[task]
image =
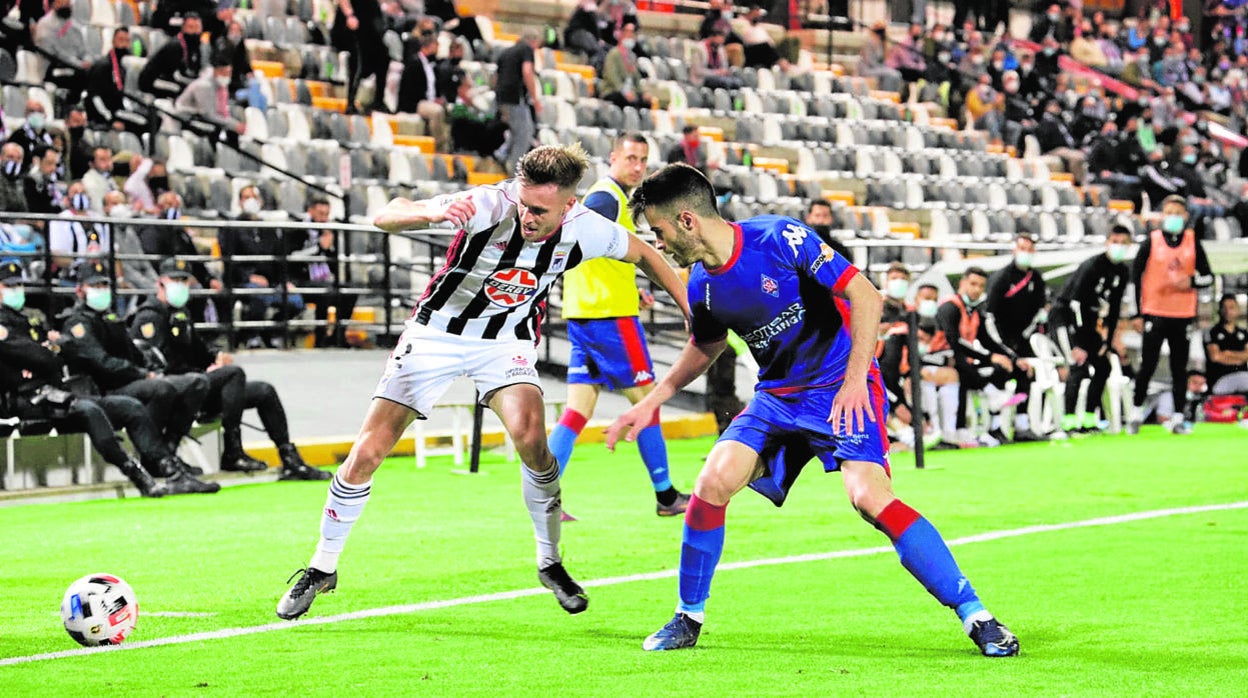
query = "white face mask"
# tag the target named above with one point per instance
(99, 299)
(896, 288)
(14, 298)
(119, 211)
(222, 81)
(1117, 253)
(928, 308)
(251, 205)
(1023, 259)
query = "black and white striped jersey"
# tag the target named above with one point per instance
(494, 283)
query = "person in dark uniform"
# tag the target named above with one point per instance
(1016, 294)
(982, 363)
(1226, 350)
(1169, 267)
(102, 350)
(1086, 316)
(358, 28)
(169, 241)
(31, 383)
(164, 324)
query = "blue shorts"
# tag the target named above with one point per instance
(788, 431)
(610, 352)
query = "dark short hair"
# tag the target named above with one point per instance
(317, 201)
(42, 149)
(1025, 235)
(897, 267)
(676, 185)
(975, 271)
(934, 287)
(629, 137)
(688, 129)
(817, 203)
(1120, 229)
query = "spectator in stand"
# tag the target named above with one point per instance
(106, 103)
(244, 87)
(617, 14)
(418, 88)
(1112, 49)
(70, 241)
(1089, 120)
(1055, 139)
(41, 184)
(358, 29)
(518, 97)
(463, 26)
(1138, 71)
(585, 32)
(1085, 48)
(167, 241)
(1019, 119)
(985, 107)
(270, 275)
(59, 36)
(132, 274)
(872, 59)
(12, 195)
(472, 128)
(691, 150)
(760, 51)
(175, 64)
(719, 17)
(77, 144)
(34, 132)
(447, 72)
(708, 63)
(213, 14)
(138, 187)
(1047, 68)
(98, 180)
(1052, 25)
(323, 275)
(207, 99)
(621, 78)
(819, 219)
(906, 56)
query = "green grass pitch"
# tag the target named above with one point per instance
(1144, 607)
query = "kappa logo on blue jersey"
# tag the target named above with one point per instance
(795, 235)
(770, 287)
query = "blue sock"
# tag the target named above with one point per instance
(563, 436)
(703, 542)
(654, 454)
(924, 553)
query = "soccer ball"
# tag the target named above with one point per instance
(99, 609)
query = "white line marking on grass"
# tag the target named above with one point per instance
(606, 581)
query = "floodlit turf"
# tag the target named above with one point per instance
(1151, 607)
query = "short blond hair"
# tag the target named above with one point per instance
(561, 165)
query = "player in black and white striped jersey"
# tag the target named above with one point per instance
(479, 317)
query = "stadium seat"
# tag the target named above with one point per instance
(1046, 405)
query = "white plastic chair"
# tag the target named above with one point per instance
(1047, 404)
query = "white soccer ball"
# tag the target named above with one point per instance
(99, 609)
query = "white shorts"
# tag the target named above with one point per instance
(426, 361)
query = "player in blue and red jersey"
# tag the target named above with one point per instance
(810, 320)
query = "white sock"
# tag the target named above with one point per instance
(973, 618)
(995, 421)
(930, 405)
(699, 616)
(949, 410)
(1022, 421)
(542, 498)
(343, 507)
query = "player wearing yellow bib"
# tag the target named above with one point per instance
(601, 303)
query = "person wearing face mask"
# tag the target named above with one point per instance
(447, 72)
(1051, 25)
(164, 323)
(718, 18)
(709, 66)
(59, 35)
(70, 240)
(98, 180)
(34, 132)
(177, 63)
(271, 275)
(12, 194)
(621, 78)
(107, 106)
(167, 241)
(1184, 169)
(1016, 295)
(103, 352)
(133, 274)
(1056, 139)
(896, 286)
(1168, 269)
(981, 362)
(760, 50)
(208, 98)
(873, 59)
(1085, 318)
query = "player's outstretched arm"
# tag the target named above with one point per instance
(852, 404)
(691, 363)
(403, 214)
(656, 267)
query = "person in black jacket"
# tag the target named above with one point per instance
(1085, 315)
(272, 275)
(1016, 294)
(168, 241)
(102, 351)
(165, 325)
(176, 64)
(31, 379)
(358, 29)
(41, 184)
(106, 103)
(323, 275)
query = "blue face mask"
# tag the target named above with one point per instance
(1173, 224)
